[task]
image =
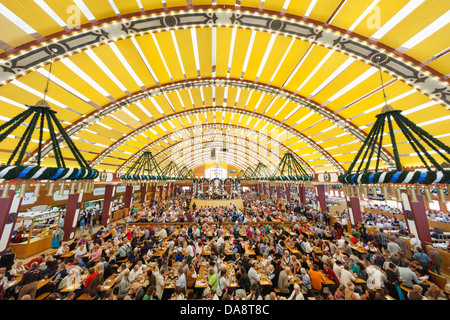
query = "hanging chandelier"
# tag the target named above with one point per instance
(42, 118)
(360, 172)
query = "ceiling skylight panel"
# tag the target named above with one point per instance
(106, 70)
(337, 72)
(401, 96)
(72, 66)
(195, 48)
(249, 51)
(113, 5)
(281, 108)
(152, 99)
(38, 94)
(299, 65)
(126, 64)
(177, 50)
(131, 114)
(433, 121)
(14, 103)
(230, 59)
(144, 59)
(282, 60)
(321, 63)
(363, 15)
(353, 84)
(397, 18)
(44, 6)
(16, 20)
(84, 9)
(418, 108)
(310, 8)
(426, 32)
(144, 109)
(266, 55)
(285, 6)
(62, 84)
(304, 118)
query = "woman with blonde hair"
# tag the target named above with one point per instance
(349, 293)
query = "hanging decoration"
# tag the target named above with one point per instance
(417, 138)
(144, 169)
(289, 169)
(41, 118)
(365, 168)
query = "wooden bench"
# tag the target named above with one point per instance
(84, 296)
(43, 296)
(406, 289)
(438, 280)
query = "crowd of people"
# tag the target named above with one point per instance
(266, 250)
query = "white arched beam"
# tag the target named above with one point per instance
(279, 145)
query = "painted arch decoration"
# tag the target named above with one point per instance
(68, 44)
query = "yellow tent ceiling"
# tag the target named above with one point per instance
(178, 77)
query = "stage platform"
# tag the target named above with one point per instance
(217, 203)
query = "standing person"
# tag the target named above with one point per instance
(58, 237)
(414, 243)
(91, 223)
(29, 281)
(436, 259)
(382, 240)
(422, 258)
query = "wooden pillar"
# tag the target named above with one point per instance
(160, 193)
(320, 191)
(416, 217)
(143, 193)
(302, 195)
(278, 192)
(128, 197)
(354, 210)
(107, 204)
(288, 192)
(9, 208)
(74, 202)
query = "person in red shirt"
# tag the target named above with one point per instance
(39, 260)
(89, 278)
(330, 273)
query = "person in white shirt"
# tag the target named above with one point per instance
(296, 293)
(414, 243)
(340, 243)
(17, 269)
(338, 255)
(346, 276)
(337, 268)
(163, 233)
(80, 252)
(253, 275)
(63, 249)
(135, 272)
(220, 241)
(376, 278)
(307, 247)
